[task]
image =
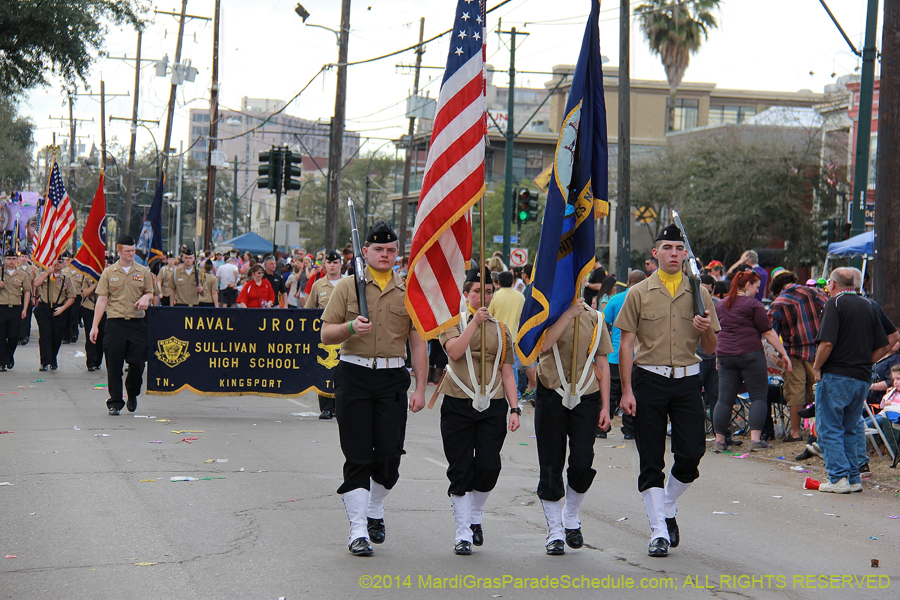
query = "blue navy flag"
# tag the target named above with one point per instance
(577, 196)
(149, 243)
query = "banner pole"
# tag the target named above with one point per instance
(481, 270)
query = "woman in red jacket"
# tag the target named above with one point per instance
(257, 292)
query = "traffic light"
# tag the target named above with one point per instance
(527, 206)
(828, 233)
(270, 164)
(292, 169)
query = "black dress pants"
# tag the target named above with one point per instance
(10, 329)
(659, 400)
(371, 407)
(125, 340)
(74, 318)
(326, 403)
(51, 329)
(615, 395)
(472, 442)
(554, 424)
(94, 352)
(26, 322)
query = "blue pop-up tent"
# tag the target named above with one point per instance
(859, 246)
(249, 242)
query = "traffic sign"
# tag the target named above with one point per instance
(518, 257)
(498, 239)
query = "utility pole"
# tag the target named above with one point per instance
(887, 170)
(72, 121)
(213, 133)
(129, 179)
(178, 197)
(404, 196)
(234, 200)
(864, 124)
(171, 111)
(623, 200)
(509, 183)
(337, 151)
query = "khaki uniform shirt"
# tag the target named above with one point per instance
(590, 325)
(185, 286)
(165, 278)
(461, 368)
(387, 313)
(320, 294)
(56, 290)
(15, 286)
(664, 326)
(209, 282)
(85, 282)
(124, 289)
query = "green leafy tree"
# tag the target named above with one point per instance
(675, 29)
(16, 145)
(64, 37)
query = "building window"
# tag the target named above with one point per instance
(199, 156)
(201, 117)
(199, 131)
(686, 112)
(729, 115)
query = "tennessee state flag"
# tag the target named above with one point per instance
(91, 257)
(576, 198)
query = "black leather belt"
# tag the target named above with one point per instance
(10, 306)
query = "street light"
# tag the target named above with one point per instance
(304, 14)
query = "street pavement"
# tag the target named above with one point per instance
(91, 512)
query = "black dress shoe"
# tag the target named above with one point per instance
(628, 436)
(805, 455)
(658, 548)
(66, 342)
(556, 548)
(601, 434)
(2, 368)
(11, 364)
(376, 530)
(477, 534)
(23, 342)
(54, 367)
(326, 414)
(361, 547)
(672, 526)
(131, 404)
(462, 548)
(574, 538)
(113, 411)
(44, 367)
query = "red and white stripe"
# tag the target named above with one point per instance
(57, 224)
(454, 181)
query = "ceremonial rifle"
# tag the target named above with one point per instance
(693, 271)
(359, 264)
(196, 263)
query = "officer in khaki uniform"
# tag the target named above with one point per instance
(209, 297)
(318, 298)
(56, 295)
(73, 315)
(371, 383)
(123, 293)
(87, 289)
(15, 297)
(165, 277)
(569, 407)
(185, 284)
(473, 425)
(664, 384)
(31, 271)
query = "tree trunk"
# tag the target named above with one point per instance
(887, 169)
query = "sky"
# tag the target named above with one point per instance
(266, 51)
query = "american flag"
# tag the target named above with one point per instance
(454, 181)
(57, 222)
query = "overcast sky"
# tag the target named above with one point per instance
(267, 52)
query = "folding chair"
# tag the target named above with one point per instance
(781, 415)
(740, 416)
(872, 431)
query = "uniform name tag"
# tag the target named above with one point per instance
(113, 278)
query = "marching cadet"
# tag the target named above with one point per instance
(25, 265)
(664, 384)
(123, 294)
(473, 425)
(371, 384)
(73, 315)
(56, 295)
(15, 298)
(209, 297)
(184, 285)
(569, 406)
(165, 277)
(318, 298)
(93, 351)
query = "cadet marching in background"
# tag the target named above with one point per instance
(184, 289)
(15, 299)
(318, 298)
(56, 295)
(93, 351)
(371, 384)
(473, 424)
(165, 278)
(569, 407)
(209, 297)
(73, 315)
(665, 383)
(124, 292)
(31, 270)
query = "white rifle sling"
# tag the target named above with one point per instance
(571, 398)
(479, 402)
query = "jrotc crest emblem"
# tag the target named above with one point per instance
(330, 361)
(172, 352)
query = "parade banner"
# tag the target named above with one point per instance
(238, 352)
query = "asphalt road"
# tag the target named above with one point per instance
(91, 512)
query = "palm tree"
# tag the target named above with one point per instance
(674, 30)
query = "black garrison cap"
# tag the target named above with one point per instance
(381, 233)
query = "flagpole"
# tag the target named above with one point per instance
(481, 270)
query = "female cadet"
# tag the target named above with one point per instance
(570, 405)
(209, 297)
(473, 426)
